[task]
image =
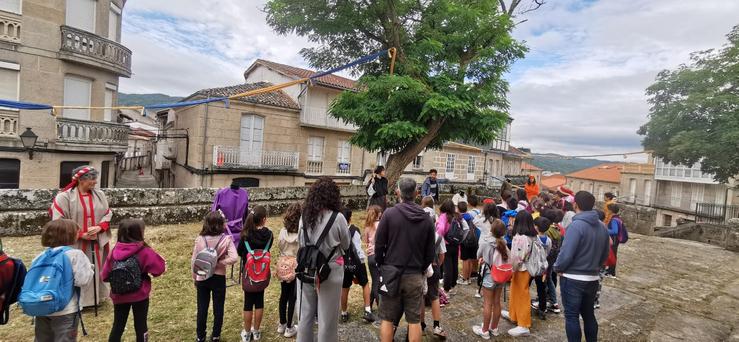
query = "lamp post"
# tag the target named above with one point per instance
(28, 139)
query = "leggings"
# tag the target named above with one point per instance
(216, 286)
(375, 273)
(287, 302)
(120, 316)
(451, 266)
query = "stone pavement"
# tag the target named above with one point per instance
(667, 290)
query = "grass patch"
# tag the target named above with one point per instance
(173, 302)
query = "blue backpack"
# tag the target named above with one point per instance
(49, 284)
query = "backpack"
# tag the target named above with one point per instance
(286, 268)
(470, 239)
(49, 284)
(623, 234)
(455, 235)
(257, 271)
(125, 275)
(10, 286)
(312, 264)
(206, 260)
(554, 252)
(351, 257)
(536, 262)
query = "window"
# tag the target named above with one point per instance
(676, 193)
(720, 195)
(450, 163)
(696, 194)
(666, 220)
(81, 14)
(251, 139)
(9, 73)
(77, 92)
(114, 17)
(600, 192)
(632, 190)
(13, 6)
(315, 148)
(10, 172)
(498, 171)
(65, 171)
(647, 192)
(104, 174)
(344, 155)
(471, 168)
(110, 90)
(418, 162)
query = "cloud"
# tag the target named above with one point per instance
(584, 94)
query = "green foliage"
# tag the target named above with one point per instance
(695, 112)
(561, 164)
(452, 55)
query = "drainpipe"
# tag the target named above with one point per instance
(205, 140)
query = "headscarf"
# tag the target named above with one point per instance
(82, 172)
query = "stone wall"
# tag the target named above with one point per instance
(726, 236)
(638, 219)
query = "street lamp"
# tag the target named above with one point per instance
(28, 139)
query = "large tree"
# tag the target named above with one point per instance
(448, 83)
(694, 114)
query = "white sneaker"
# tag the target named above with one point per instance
(281, 328)
(519, 331)
(291, 332)
(505, 314)
(245, 336)
(494, 332)
(478, 331)
(478, 295)
(256, 334)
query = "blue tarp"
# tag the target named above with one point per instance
(362, 60)
(23, 105)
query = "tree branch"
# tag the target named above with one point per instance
(503, 6)
(534, 6)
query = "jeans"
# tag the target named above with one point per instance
(578, 299)
(375, 274)
(551, 288)
(451, 266)
(541, 293)
(120, 317)
(288, 295)
(215, 285)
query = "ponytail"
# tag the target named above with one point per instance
(498, 229)
(255, 217)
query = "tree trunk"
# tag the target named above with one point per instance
(397, 162)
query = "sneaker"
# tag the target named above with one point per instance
(553, 307)
(245, 336)
(535, 305)
(478, 295)
(611, 276)
(495, 332)
(369, 316)
(281, 328)
(215, 339)
(485, 335)
(344, 317)
(596, 306)
(376, 324)
(256, 335)
(463, 282)
(291, 332)
(440, 333)
(505, 314)
(519, 331)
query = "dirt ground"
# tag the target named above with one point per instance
(667, 290)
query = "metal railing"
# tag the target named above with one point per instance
(91, 132)
(136, 162)
(10, 29)
(715, 213)
(8, 124)
(81, 42)
(343, 168)
(236, 157)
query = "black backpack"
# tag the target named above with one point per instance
(470, 239)
(351, 258)
(125, 275)
(14, 284)
(554, 252)
(312, 264)
(456, 234)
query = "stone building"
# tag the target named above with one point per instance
(531, 170)
(637, 184)
(597, 180)
(60, 53)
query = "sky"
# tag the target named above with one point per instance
(580, 90)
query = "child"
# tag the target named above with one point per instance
(613, 227)
(131, 244)
(555, 235)
(374, 213)
(450, 266)
(428, 206)
(601, 274)
(467, 253)
(432, 294)
(59, 235)
(258, 237)
(493, 252)
(360, 274)
(288, 243)
(212, 236)
(520, 301)
(542, 226)
(474, 211)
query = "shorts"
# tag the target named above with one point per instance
(488, 282)
(408, 301)
(468, 253)
(253, 301)
(360, 274)
(433, 284)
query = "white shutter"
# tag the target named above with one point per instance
(13, 6)
(108, 113)
(315, 148)
(114, 15)
(9, 84)
(77, 92)
(81, 14)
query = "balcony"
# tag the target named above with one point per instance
(645, 169)
(8, 124)
(318, 117)
(235, 157)
(10, 28)
(84, 47)
(679, 173)
(86, 134)
(314, 167)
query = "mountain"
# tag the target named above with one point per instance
(145, 99)
(562, 164)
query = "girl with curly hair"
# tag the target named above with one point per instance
(322, 201)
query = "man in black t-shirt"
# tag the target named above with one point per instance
(430, 186)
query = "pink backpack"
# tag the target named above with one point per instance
(256, 269)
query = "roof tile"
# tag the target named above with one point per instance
(610, 173)
(332, 81)
(276, 98)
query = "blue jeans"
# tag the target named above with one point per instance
(551, 289)
(578, 299)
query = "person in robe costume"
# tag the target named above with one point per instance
(233, 202)
(80, 202)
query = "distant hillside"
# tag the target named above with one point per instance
(557, 163)
(145, 99)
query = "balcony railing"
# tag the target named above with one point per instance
(10, 29)
(82, 46)
(316, 116)
(236, 157)
(314, 167)
(344, 168)
(8, 124)
(91, 132)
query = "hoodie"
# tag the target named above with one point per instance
(226, 252)
(405, 238)
(151, 264)
(288, 243)
(586, 247)
(258, 239)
